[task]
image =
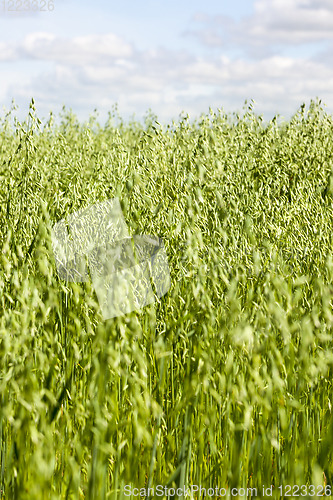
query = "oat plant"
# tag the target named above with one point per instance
(224, 381)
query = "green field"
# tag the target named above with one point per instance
(226, 380)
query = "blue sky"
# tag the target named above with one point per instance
(170, 57)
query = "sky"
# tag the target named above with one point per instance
(173, 58)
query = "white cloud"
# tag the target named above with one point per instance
(170, 82)
(78, 51)
(274, 22)
(8, 52)
(97, 71)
